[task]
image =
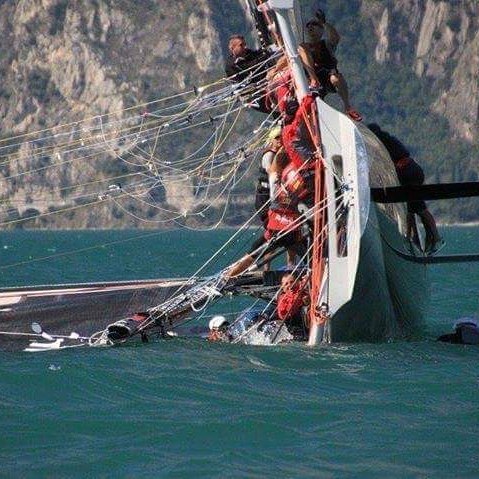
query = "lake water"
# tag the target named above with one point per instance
(188, 408)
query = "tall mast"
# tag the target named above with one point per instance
(282, 9)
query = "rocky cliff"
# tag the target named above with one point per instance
(62, 61)
(439, 40)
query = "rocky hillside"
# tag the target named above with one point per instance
(439, 41)
(65, 60)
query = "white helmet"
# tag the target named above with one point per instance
(216, 322)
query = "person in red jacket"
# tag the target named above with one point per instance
(282, 231)
(291, 299)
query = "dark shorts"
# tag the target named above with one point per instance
(416, 207)
(324, 75)
(261, 203)
(412, 174)
(289, 240)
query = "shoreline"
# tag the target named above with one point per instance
(221, 227)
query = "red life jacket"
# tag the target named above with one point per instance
(282, 220)
(289, 303)
(296, 132)
(281, 92)
(298, 182)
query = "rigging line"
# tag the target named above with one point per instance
(55, 165)
(180, 175)
(221, 143)
(153, 149)
(198, 213)
(91, 130)
(143, 220)
(201, 173)
(82, 134)
(75, 145)
(87, 133)
(36, 132)
(218, 132)
(78, 122)
(103, 180)
(203, 160)
(63, 210)
(83, 195)
(42, 215)
(205, 122)
(68, 152)
(112, 150)
(88, 156)
(209, 140)
(156, 206)
(226, 204)
(81, 250)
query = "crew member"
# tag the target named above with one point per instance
(243, 62)
(410, 173)
(273, 148)
(283, 230)
(319, 58)
(280, 91)
(292, 298)
(218, 327)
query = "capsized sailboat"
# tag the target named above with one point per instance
(363, 282)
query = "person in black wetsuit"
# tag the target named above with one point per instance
(318, 56)
(241, 63)
(410, 173)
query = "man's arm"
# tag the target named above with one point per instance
(332, 35)
(230, 67)
(308, 64)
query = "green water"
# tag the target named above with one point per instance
(188, 408)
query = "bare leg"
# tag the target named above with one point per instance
(244, 263)
(338, 81)
(412, 232)
(429, 226)
(290, 258)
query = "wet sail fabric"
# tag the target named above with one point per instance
(83, 309)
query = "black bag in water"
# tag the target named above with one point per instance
(122, 329)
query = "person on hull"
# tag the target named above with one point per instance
(466, 331)
(318, 56)
(410, 173)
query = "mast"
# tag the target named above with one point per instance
(319, 308)
(282, 9)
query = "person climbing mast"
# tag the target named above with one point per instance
(318, 56)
